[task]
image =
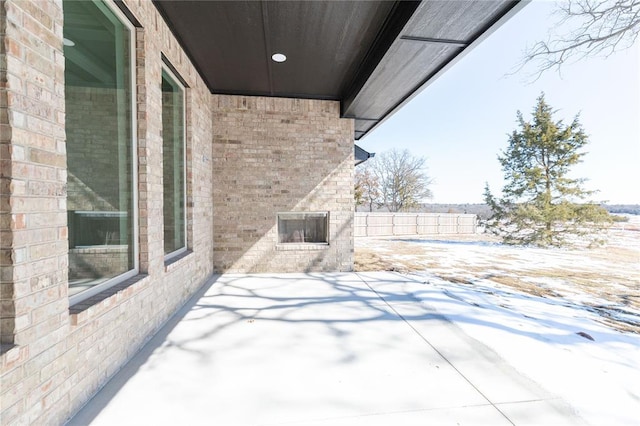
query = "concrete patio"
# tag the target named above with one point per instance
(317, 349)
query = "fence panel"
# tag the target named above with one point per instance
(427, 224)
(387, 224)
(403, 224)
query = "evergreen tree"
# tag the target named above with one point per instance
(541, 205)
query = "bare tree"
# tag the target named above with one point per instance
(597, 28)
(402, 178)
(367, 187)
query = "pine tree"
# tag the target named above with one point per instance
(541, 205)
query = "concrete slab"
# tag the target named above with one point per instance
(325, 349)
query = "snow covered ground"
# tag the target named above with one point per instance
(568, 319)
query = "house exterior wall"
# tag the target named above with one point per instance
(275, 155)
(248, 158)
(55, 356)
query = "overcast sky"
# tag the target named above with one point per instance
(461, 121)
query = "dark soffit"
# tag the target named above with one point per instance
(370, 55)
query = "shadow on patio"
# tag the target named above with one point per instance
(339, 348)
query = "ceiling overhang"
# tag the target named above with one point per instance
(372, 56)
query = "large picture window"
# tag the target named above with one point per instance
(101, 195)
(173, 165)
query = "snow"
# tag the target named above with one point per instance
(560, 339)
(538, 336)
(476, 333)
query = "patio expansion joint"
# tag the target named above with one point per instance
(423, 338)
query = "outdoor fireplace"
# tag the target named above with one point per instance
(303, 227)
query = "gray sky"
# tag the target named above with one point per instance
(460, 122)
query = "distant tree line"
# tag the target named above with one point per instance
(483, 211)
(623, 208)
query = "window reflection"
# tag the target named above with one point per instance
(100, 181)
(173, 164)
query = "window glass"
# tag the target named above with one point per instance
(173, 167)
(302, 227)
(100, 145)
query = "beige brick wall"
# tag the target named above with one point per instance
(54, 357)
(274, 155)
(268, 156)
(33, 171)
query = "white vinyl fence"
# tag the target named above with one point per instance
(386, 224)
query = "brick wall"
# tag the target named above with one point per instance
(55, 356)
(34, 199)
(268, 156)
(274, 155)
(7, 310)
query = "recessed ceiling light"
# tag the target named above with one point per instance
(68, 42)
(278, 57)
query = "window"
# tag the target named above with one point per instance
(173, 165)
(303, 227)
(101, 194)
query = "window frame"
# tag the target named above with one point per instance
(177, 80)
(98, 288)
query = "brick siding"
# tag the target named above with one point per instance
(54, 357)
(247, 159)
(273, 155)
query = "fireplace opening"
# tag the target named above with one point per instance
(303, 227)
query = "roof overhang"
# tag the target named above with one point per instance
(372, 56)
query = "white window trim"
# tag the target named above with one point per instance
(178, 82)
(84, 295)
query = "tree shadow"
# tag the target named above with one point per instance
(450, 242)
(341, 304)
